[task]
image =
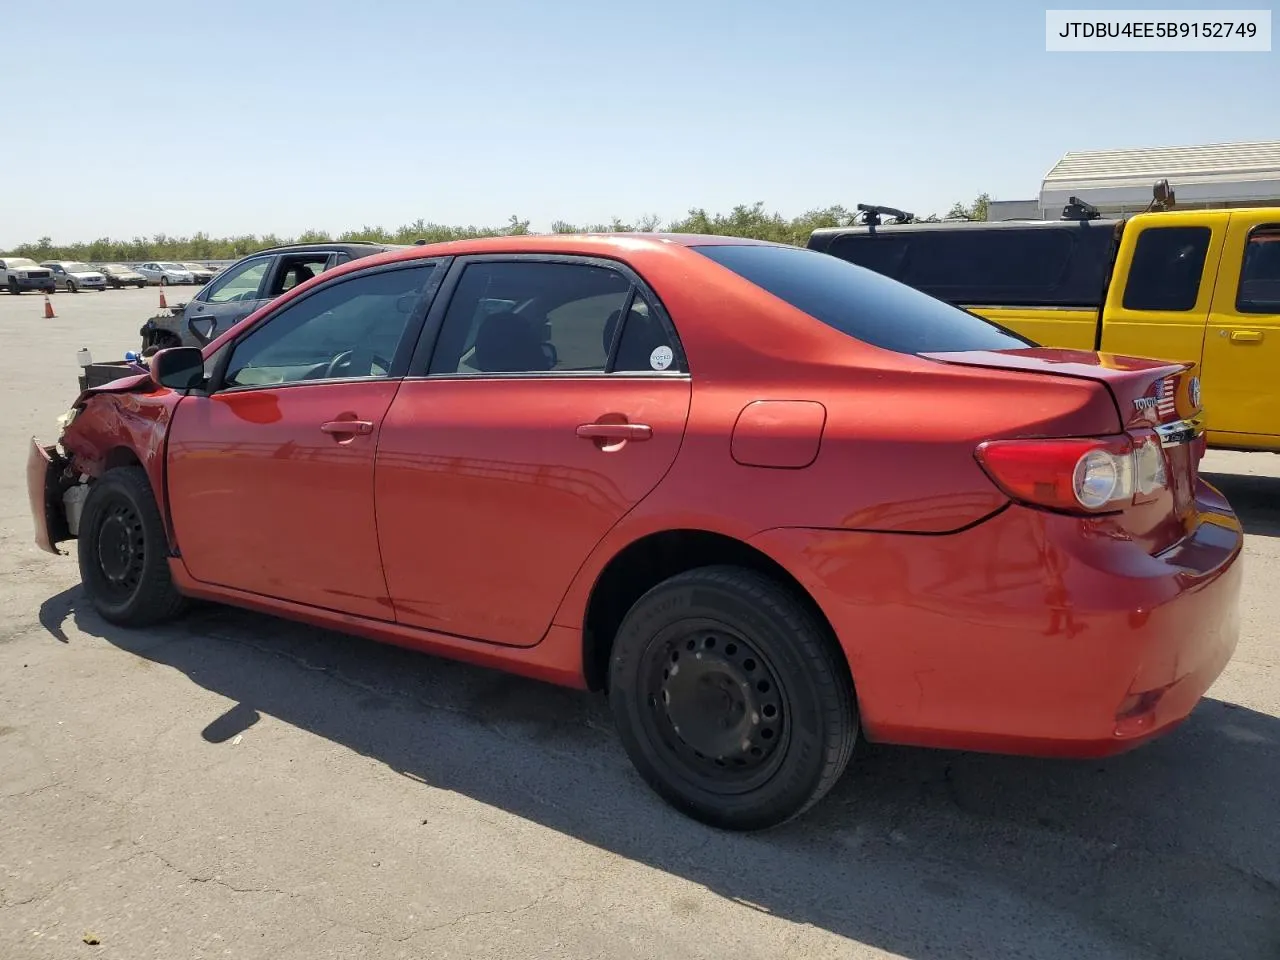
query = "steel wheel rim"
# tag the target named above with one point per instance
(120, 549)
(713, 704)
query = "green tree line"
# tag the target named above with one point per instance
(742, 221)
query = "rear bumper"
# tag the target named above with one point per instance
(1031, 633)
(44, 492)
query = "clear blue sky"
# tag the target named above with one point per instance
(253, 117)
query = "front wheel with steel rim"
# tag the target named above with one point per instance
(732, 700)
(123, 552)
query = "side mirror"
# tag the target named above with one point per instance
(178, 368)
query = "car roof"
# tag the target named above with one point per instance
(348, 246)
(662, 258)
(602, 244)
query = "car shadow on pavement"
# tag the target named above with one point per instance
(1255, 499)
(1171, 851)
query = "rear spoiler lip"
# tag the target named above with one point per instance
(1082, 364)
(1115, 373)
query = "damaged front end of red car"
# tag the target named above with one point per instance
(118, 422)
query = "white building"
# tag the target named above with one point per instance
(1118, 182)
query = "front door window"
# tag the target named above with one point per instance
(349, 330)
(239, 283)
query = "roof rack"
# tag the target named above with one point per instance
(871, 214)
(1077, 209)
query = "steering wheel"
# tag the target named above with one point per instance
(345, 358)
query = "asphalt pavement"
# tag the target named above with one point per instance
(237, 786)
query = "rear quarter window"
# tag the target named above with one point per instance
(1166, 269)
(860, 302)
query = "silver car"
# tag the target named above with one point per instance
(74, 276)
(165, 272)
(199, 272)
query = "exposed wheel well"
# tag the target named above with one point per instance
(120, 457)
(654, 558)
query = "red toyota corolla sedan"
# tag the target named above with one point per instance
(765, 498)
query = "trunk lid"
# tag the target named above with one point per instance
(1146, 392)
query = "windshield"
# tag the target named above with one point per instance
(172, 266)
(861, 303)
(194, 266)
(77, 267)
(20, 262)
(116, 268)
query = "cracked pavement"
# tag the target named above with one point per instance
(238, 786)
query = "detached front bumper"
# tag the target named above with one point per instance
(45, 469)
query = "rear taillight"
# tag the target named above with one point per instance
(1095, 475)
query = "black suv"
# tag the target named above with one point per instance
(245, 286)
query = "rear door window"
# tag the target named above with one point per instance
(1259, 290)
(861, 303)
(550, 317)
(1168, 263)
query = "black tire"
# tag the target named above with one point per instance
(14, 289)
(72, 287)
(762, 720)
(164, 281)
(123, 552)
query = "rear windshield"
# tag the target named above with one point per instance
(861, 302)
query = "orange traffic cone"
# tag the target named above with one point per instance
(48, 308)
(163, 305)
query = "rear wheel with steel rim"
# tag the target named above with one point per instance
(123, 551)
(731, 699)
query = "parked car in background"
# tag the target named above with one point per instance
(246, 285)
(119, 276)
(74, 276)
(165, 272)
(19, 274)
(199, 272)
(769, 500)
